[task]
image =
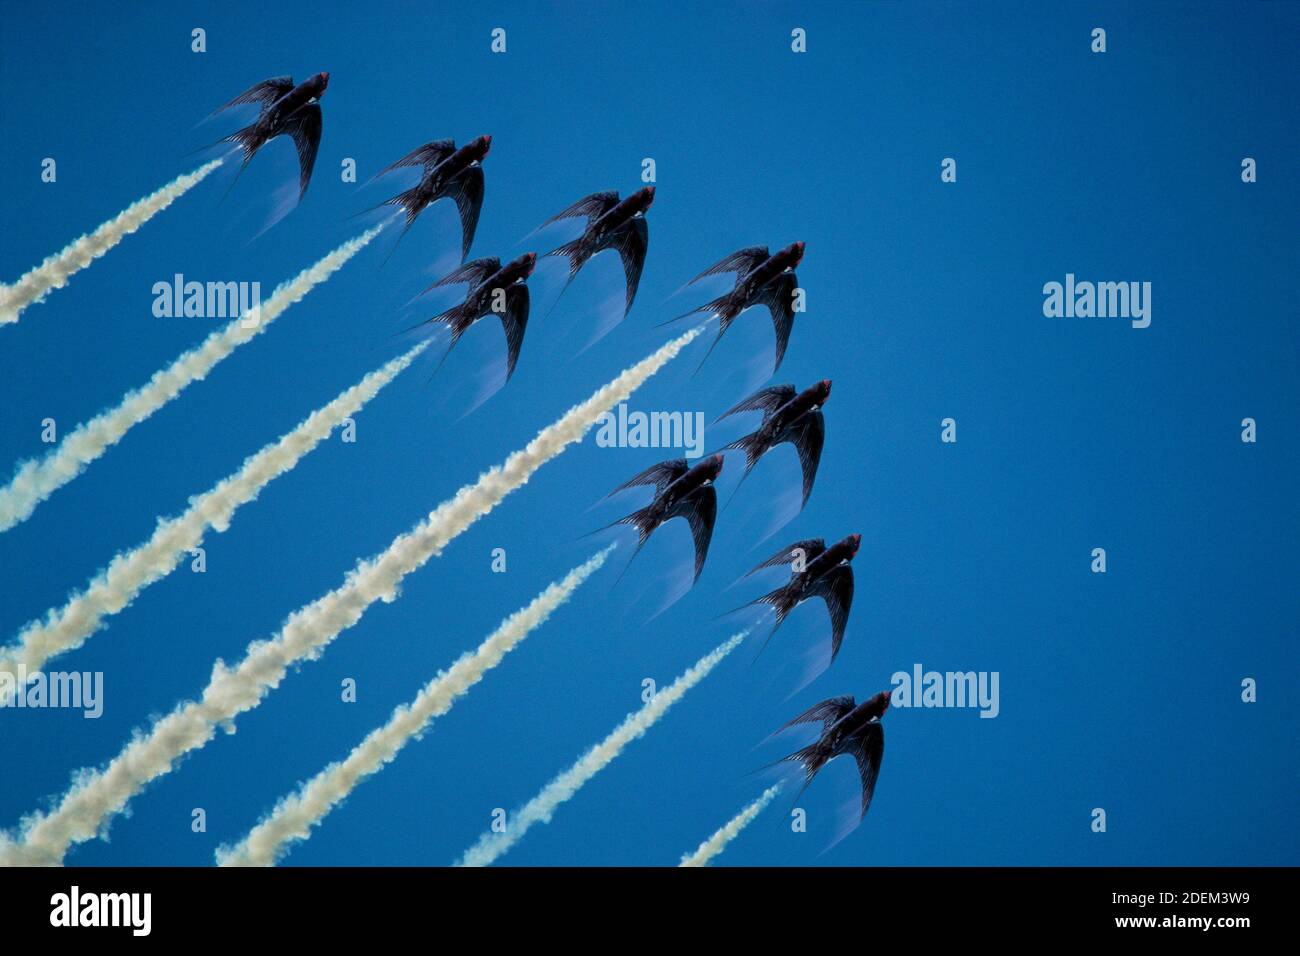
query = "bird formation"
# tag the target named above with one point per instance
(762, 278)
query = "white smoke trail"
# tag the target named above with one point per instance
(97, 796)
(55, 271)
(295, 815)
(729, 831)
(37, 479)
(539, 809)
(130, 572)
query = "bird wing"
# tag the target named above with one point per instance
(514, 319)
(466, 188)
(835, 587)
(593, 207)
(632, 241)
(699, 508)
(807, 433)
(778, 296)
(429, 155)
(869, 749)
(811, 547)
(661, 476)
(740, 262)
(768, 399)
(473, 272)
(305, 128)
(266, 93)
(829, 712)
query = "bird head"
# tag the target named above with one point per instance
(715, 465)
(481, 146)
(822, 390)
(322, 81)
(853, 542)
(792, 254)
(522, 267)
(645, 198)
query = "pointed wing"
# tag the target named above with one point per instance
(741, 262)
(778, 296)
(593, 207)
(632, 241)
(811, 547)
(429, 155)
(305, 128)
(473, 272)
(869, 749)
(266, 92)
(829, 712)
(768, 399)
(835, 587)
(807, 434)
(514, 320)
(699, 508)
(467, 189)
(661, 476)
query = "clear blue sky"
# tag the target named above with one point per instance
(1118, 691)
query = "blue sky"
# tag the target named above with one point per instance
(1119, 691)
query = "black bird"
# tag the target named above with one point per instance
(287, 110)
(761, 279)
(680, 492)
(847, 728)
(611, 224)
(787, 417)
(448, 172)
(493, 288)
(815, 571)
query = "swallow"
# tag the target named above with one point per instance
(815, 571)
(761, 279)
(787, 417)
(493, 288)
(680, 492)
(847, 728)
(448, 173)
(287, 110)
(611, 224)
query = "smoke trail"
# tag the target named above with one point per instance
(295, 815)
(541, 807)
(130, 572)
(35, 480)
(55, 271)
(729, 831)
(97, 796)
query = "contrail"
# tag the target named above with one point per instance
(130, 572)
(295, 815)
(729, 831)
(35, 480)
(97, 796)
(541, 807)
(56, 270)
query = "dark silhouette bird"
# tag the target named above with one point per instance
(680, 492)
(493, 289)
(448, 173)
(611, 224)
(847, 728)
(287, 110)
(815, 571)
(761, 279)
(787, 417)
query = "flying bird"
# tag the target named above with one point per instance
(815, 571)
(761, 279)
(611, 224)
(493, 288)
(787, 417)
(448, 172)
(287, 110)
(680, 492)
(847, 728)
